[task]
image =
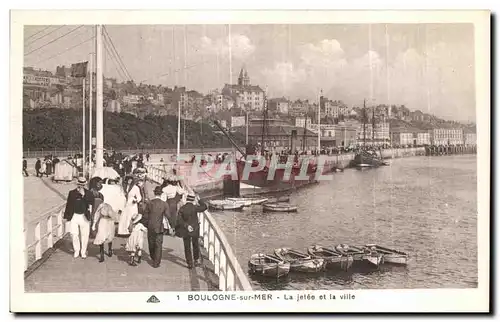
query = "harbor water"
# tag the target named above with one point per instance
(425, 206)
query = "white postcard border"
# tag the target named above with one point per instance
(429, 300)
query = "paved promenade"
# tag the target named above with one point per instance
(63, 273)
(41, 195)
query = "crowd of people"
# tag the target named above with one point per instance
(45, 167)
(171, 210)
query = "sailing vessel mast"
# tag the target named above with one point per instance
(364, 122)
(264, 119)
(373, 126)
(304, 135)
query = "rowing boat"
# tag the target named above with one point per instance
(299, 261)
(225, 205)
(333, 259)
(361, 255)
(268, 265)
(279, 207)
(247, 202)
(390, 256)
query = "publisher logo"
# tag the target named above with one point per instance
(153, 299)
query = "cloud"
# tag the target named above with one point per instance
(434, 81)
(241, 46)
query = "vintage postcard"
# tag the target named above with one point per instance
(250, 161)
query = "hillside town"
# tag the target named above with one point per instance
(241, 107)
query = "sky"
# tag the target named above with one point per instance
(429, 67)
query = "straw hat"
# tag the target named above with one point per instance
(190, 197)
(81, 181)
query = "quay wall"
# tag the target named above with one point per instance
(343, 160)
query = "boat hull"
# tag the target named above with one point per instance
(373, 260)
(224, 205)
(343, 263)
(247, 202)
(278, 208)
(268, 266)
(300, 262)
(278, 181)
(390, 256)
(395, 259)
(332, 259)
(366, 160)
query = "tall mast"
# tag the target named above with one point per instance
(319, 121)
(91, 74)
(178, 129)
(99, 99)
(373, 125)
(264, 119)
(83, 127)
(364, 122)
(304, 135)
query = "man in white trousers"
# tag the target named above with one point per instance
(77, 212)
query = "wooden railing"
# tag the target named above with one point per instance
(41, 233)
(227, 267)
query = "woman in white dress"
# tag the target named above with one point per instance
(133, 195)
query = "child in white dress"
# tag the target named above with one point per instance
(135, 242)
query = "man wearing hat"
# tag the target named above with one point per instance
(77, 212)
(188, 228)
(154, 213)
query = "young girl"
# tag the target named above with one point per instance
(135, 242)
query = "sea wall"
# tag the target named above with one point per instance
(343, 160)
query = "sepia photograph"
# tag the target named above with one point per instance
(272, 161)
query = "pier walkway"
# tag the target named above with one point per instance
(55, 270)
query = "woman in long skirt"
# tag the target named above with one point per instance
(135, 242)
(104, 218)
(133, 195)
(173, 194)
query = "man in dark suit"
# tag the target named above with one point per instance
(77, 212)
(38, 165)
(25, 167)
(154, 213)
(188, 228)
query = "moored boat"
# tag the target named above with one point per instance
(247, 202)
(362, 255)
(225, 205)
(333, 259)
(268, 265)
(299, 261)
(279, 207)
(390, 256)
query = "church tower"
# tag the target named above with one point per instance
(243, 79)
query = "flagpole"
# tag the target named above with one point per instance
(179, 131)
(246, 130)
(99, 98)
(90, 113)
(83, 113)
(319, 121)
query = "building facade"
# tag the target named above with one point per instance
(403, 138)
(470, 138)
(333, 109)
(379, 136)
(447, 136)
(303, 122)
(279, 105)
(245, 95)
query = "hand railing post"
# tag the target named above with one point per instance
(38, 245)
(60, 226)
(50, 241)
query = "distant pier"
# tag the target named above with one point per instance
(450, 149)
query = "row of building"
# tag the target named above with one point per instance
(278, 133)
